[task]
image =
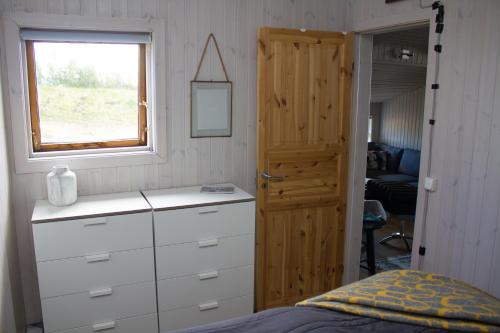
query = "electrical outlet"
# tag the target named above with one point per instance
(430, 184)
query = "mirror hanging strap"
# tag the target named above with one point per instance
(211, 36)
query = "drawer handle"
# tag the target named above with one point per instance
(98, 257)
(97, 221)
(103, 326)
(208, 242)
(207, 210)
(208, 275)
(101, 292)
(209, 306)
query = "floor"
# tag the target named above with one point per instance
(34, 329)
(394, 248)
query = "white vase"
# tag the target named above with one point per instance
(61, 186)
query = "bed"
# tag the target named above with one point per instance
(401, 301)
(303, 319)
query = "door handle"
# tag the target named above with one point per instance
(269, 177)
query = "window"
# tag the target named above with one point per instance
(87, 90)
(370, 128)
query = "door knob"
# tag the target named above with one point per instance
(269, 177)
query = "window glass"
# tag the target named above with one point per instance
(87, 92)
(370, 128)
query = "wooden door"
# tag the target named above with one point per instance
(304, 103)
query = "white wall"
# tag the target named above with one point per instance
(11, 306)
(401, 120)
(463, 220)
(190, 161)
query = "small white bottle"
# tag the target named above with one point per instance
(61, 186)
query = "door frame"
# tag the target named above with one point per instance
(363, 46)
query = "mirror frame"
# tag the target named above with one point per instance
(206, 133)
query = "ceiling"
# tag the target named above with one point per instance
(392, 76)
(417, 37)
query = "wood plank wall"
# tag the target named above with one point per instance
(190, 161)
(401, 120)
(463, 220)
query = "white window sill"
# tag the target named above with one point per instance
(88, 161)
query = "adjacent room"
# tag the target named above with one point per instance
(198, 166)
(395, 123)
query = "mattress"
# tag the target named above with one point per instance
(305, 319)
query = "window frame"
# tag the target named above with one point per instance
(34, 112)
(26, 160)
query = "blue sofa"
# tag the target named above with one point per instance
(402, 166)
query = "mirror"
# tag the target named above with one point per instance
(211, 108)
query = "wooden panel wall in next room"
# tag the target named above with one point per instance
(401, 120)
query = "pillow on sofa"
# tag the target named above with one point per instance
(394, 156)
(371, 162)
(410, 162)
(382, 159)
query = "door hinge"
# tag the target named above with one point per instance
(353, 65)
(421, 251)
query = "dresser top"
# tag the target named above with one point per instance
(91, 206)
(185, 197)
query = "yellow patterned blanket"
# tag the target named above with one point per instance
(418, 298)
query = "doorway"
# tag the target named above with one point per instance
(394, 141)
(362, 89)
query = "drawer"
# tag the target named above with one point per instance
(81, 274)
(141, 324)
(75, 238)
(204, 256)
(209, 285)
(205, 313)
(100, 305)
(192, 224)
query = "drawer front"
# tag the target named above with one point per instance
(205, 313)
(192, 224)
(81, 274)
(206, 286)
(204, 256)
(75, 238)
(141, 324)
(97, 306)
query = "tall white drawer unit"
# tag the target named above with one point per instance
(95, 263)
(204, 245)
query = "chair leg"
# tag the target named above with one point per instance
(370, 251)
(401, 235)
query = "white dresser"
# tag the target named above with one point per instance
(95, 262)
(204, 245)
